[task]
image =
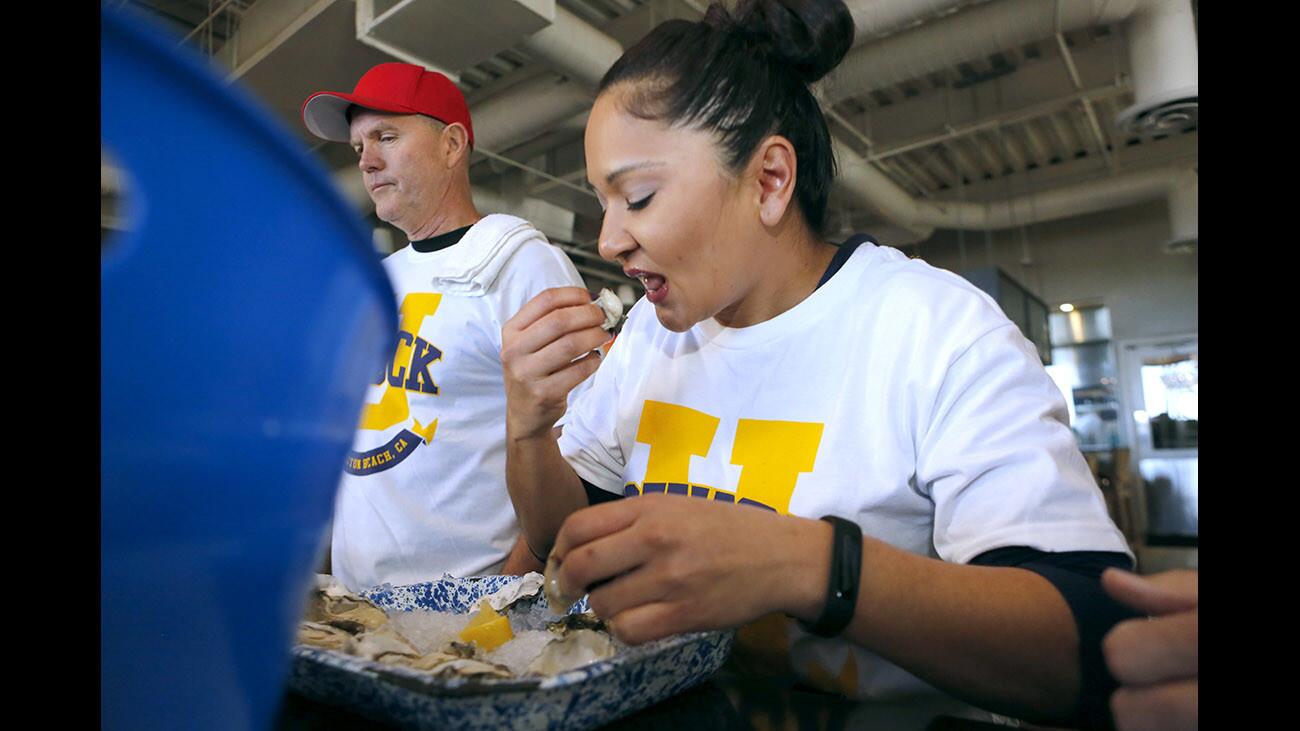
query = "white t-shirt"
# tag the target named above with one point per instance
(896, 395)
(423, 490)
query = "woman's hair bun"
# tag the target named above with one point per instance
(812, 36)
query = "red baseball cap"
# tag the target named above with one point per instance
(402, 88)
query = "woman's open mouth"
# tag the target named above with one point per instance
(656, 286)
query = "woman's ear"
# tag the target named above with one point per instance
(776, 170)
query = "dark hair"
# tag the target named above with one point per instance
(745, 76)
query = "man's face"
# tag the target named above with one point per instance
(404, 165)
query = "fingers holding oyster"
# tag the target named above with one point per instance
(550, 346)
(640, 563)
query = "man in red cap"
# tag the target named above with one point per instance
(423, 491)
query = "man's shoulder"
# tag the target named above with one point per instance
(536, 260)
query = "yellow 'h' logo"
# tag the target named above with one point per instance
(771, 454)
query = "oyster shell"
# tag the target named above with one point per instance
(611, 305)
(465, 650)
(559, 601)
(331, 603)
(466, 668)
(325, 637)
(383, 641)
(528, 585)
(577, 648)
(581, 620)
(417, 662)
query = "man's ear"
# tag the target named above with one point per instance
(775, 168)
(455, 140)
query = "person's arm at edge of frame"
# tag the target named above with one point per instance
(543, 487)
(546, 352)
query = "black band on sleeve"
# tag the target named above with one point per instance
(595, 495)
(1077, 576)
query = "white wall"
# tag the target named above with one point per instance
(1113, 258)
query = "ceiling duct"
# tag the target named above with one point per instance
(1185, 233)
(874, 19)
(1163, 57)
(960, 37)
(408, 29)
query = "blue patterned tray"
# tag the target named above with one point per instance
(589, 696)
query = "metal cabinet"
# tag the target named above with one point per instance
(1021, 306)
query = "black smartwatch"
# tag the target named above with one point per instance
(846, 570)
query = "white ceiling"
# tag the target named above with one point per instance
(1030, 118)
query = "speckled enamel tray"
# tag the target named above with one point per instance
(633, 679)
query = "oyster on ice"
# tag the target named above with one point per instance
(466, 650)
(325, 636)
(527, 586)
(331, 603)
(577, 648)
(580, 620)
(341, 621)
(385, 640)
(467, 668)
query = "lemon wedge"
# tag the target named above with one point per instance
(488, 629)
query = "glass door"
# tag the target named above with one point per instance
(1161, 383)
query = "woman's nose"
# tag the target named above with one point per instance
(614, 240)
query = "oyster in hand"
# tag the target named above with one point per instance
(559, 601)
(611, 306)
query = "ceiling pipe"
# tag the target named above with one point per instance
(1162, 47)
(1176, 185)
(974, 33)
(1111, 192)
(585, 53)
(527, 110)
(1185, 232)
(575, 48)
(918, 219)
(569, 46)
(874, 19)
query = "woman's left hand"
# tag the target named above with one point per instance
(658, 565)
(1155, 659)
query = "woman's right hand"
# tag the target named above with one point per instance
(547, 349)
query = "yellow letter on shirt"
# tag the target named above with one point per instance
(674, 434)
(771, 455)
(392, 408)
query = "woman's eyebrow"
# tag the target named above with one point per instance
(629, 168)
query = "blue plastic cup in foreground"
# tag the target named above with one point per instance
(242, 314)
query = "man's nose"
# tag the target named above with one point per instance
(369, 160)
